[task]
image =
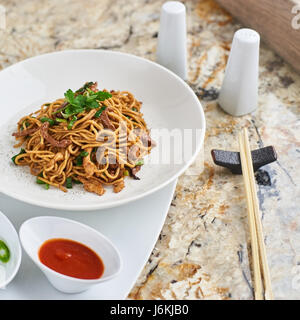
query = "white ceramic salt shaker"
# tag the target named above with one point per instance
(171, 49)
(239, 92)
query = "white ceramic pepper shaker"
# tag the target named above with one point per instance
(239, 92)
(171, 49)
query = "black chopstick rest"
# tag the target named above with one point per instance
(232, 161)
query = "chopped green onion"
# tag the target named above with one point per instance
(14, 157)
(84, 153)
(79, 161)
(77, 181)
(135, 109)
(126, 173)
(140, 163)
(45, 119)
(4, 252)
(69, 183)
(26, 123)
(60, 120)
(71, 123)
(99, 112)
(38, 181)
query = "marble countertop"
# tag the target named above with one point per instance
(203, 249)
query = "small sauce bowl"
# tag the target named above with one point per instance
(34, 232)
(9, 235)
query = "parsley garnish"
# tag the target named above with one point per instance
(80, 103)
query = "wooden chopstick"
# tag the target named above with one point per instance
(258, 288)
(259, 230)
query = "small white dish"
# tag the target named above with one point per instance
(34, 232)
(9, 235)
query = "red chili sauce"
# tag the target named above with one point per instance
(71, 258)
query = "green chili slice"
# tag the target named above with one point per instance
(4, 252)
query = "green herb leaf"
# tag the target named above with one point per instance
(46, 186)
(103, 95)
(72, 110)
(84, 99)
(69, 95)
(14, 157)
(99, 112)
(80, 101)
(93, 104)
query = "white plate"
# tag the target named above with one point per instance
(133, 228)
(168, 102)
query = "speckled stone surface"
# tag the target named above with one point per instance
(203, 249)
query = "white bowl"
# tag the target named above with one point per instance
(9, 235)
(34, 232)
(168, 103)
